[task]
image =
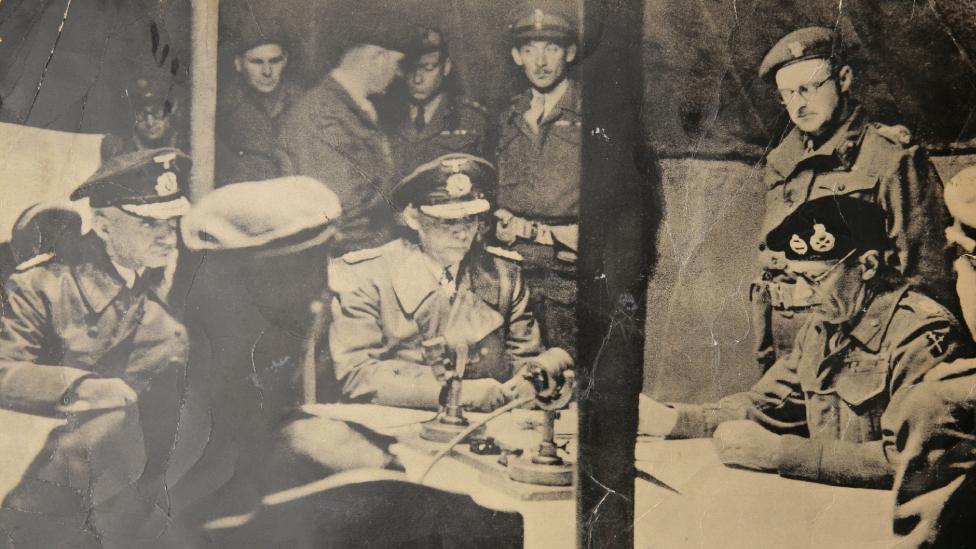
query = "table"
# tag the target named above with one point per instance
(709, 505)
(548, 524)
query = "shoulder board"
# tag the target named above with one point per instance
(472, 104)
(504, 253)
(359, 256)
(898, 134)
(39, 259)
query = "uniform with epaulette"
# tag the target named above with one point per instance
(392, 299)
(539, 166)
(446, 123)
(70, 316)
(837, 395)
(859, 158)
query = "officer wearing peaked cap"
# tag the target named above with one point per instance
(826, 411)
(431, 117)
(156, 106)
(539, 164)
(442, 285)
(89, 335)
(834, 149)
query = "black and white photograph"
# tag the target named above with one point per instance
(648, 274)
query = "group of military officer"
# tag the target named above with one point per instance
(864, 380)
(173, 338)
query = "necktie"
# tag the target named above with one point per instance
(447, 281)
(419, 121)
(536, 112)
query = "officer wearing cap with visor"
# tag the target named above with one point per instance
(832, 149)
(443, 284)
(824, 412)
(88, 335)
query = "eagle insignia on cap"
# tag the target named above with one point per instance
(458, 184)
(167, 184)
(538, 18)
(798, 245)
(165, 159)
(796, 49)
(821, 241)
(454, 164)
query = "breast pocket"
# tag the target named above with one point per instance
(568, 132)
(862, 388)
(847, 183)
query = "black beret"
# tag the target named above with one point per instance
(830, 228)
(800, 45)
(450, 187)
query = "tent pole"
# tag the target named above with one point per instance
(203, 94)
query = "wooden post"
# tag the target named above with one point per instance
(203, 95)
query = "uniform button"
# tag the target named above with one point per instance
(841, 187)
(484, 351)
(789, 203)
(92, 331)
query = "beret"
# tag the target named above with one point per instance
(273, 217)
(147, 183)
(800, 45)
(542, 19)
(449, 187)
(829, 228)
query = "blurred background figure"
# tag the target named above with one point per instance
(157, 119)
(429, 115)
(251, 101)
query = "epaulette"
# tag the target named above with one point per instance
(897, 134)
(504, 253)
(35, 261)
(359, 256)
(471, 103)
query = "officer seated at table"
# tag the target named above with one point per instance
(824, 411)
(440, 284)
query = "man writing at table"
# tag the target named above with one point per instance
(394, 301)
(823, 412)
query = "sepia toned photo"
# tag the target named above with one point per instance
(525, 273)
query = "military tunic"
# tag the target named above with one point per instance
(247, 134)
(539, 180)
(865, 160)
(457, 125)
(835, 395)
(387, 302)
(326, 135)
(66, 320)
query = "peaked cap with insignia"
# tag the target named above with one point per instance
(147, 183)
(449, 187)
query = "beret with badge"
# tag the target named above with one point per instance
(148, 183)
(270, 218)
(543, 20)
(829, 228)
(450, 187)
(800, 45)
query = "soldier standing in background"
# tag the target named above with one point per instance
(156, 113)
(435, 119)
(539, 165)
(249, 106)
(835, 150)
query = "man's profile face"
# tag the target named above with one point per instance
(544, 62)
(384, 69)
(262, 67)
(425, 76)
(811, 92)
(154, 121)
(445, 240)
(136, 242)
(833, 289)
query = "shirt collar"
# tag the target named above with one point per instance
(355, 90)
(430, 108)
(552, 97)
(842, 143)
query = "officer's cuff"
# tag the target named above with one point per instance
(799, 457)
(692, 422)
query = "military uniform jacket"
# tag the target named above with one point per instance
(459, 125)
(831, 395)
(247, 134)
(327, 136)
(387, 302)
(64, 321)
(877, 163)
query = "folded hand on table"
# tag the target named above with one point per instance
(744, 443)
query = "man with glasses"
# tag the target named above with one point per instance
(833, 149)
(394, 302)
(824, 411)
(90, 335)
(434, 119)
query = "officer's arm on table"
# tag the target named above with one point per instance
(776, 402)
(30, 379)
